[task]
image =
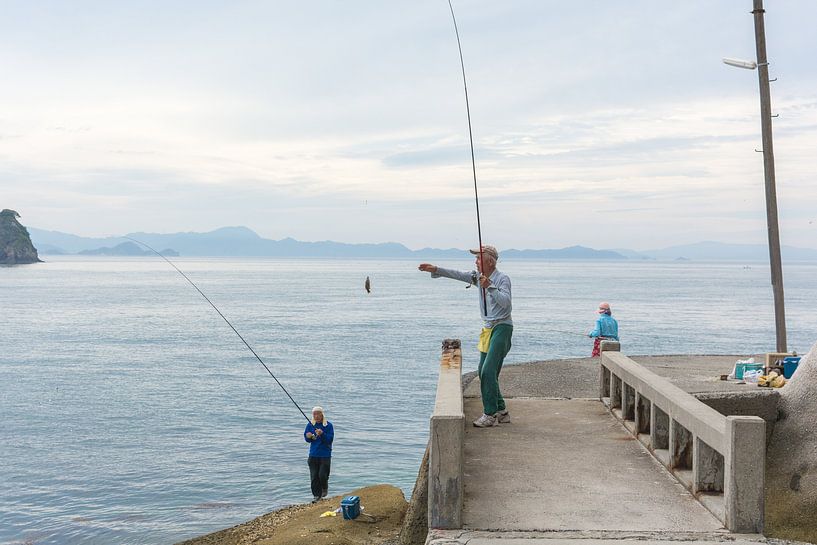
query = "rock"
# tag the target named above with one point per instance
(791, 458)
(303, 525)
(15, 243)
(415, 523)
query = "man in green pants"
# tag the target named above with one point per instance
(495, 338)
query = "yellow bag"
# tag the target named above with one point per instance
(484, 340)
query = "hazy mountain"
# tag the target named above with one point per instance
(127, 249)
(55, 242)
(572, 252)
(719, 251)
(243, 242)
(632, 254)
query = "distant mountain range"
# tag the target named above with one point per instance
(243, 242)
(127, 249)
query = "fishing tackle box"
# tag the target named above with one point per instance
(350, 506)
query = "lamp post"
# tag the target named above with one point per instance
(762, 66)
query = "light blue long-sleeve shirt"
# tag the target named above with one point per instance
(498, 294)
(606, 326)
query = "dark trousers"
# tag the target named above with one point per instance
(319, 474)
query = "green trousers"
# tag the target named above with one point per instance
(490, 364)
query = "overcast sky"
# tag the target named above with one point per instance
(602, 123)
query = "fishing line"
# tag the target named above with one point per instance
(566, 332)
(226, 320)
(473, 161)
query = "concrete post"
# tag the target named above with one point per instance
(627, 402)
(604, 381)
(744, 473)
(615, 391)
(680, 446)
(609, 346)
(643, 414)
(446, 438)
(659, 428)
(707, 468)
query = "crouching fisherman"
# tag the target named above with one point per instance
(495, 338)
(319, 433)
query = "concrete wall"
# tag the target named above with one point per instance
(446, 436)
(760, 402)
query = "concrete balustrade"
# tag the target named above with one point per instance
(720, 459)
(447, 433)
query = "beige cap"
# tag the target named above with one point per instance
(486, 250)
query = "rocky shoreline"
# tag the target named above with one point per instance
(384, 510)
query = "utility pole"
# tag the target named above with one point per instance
(768, 170)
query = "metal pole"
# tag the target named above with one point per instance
(768, 170)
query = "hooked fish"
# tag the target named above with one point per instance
(368, 285)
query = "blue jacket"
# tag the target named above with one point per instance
(606, 326)
(320, 447)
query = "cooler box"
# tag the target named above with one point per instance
(742, 367)
(790, 366)
(350, 505)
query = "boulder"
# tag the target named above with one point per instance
(15, 243)
(791, 458)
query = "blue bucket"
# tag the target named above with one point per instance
(790, 366)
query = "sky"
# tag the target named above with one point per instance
(610, 124)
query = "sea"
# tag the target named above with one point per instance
(131, 413)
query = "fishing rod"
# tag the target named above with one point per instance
(226, 320)
(473, 161)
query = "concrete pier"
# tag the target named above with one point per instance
(567, 471)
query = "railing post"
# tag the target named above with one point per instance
(744, 473)
(447, 433)
(615, 391)
(659, 428)
(604, 380)
(680, 446)
(642, 414)
(627, 402)
(707, 468)
(609, 346)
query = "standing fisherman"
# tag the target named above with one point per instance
(319, 433)
(495, 338)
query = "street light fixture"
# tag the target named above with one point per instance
(749, 65)
(762, 66)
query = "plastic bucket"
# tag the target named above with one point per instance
(790, 366)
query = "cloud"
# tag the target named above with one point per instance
(286, 118)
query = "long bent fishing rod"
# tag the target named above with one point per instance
(473, 161)
(226, 320)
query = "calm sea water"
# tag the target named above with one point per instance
(130, 413)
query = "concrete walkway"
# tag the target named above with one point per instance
(569, 465)
(565, 472)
